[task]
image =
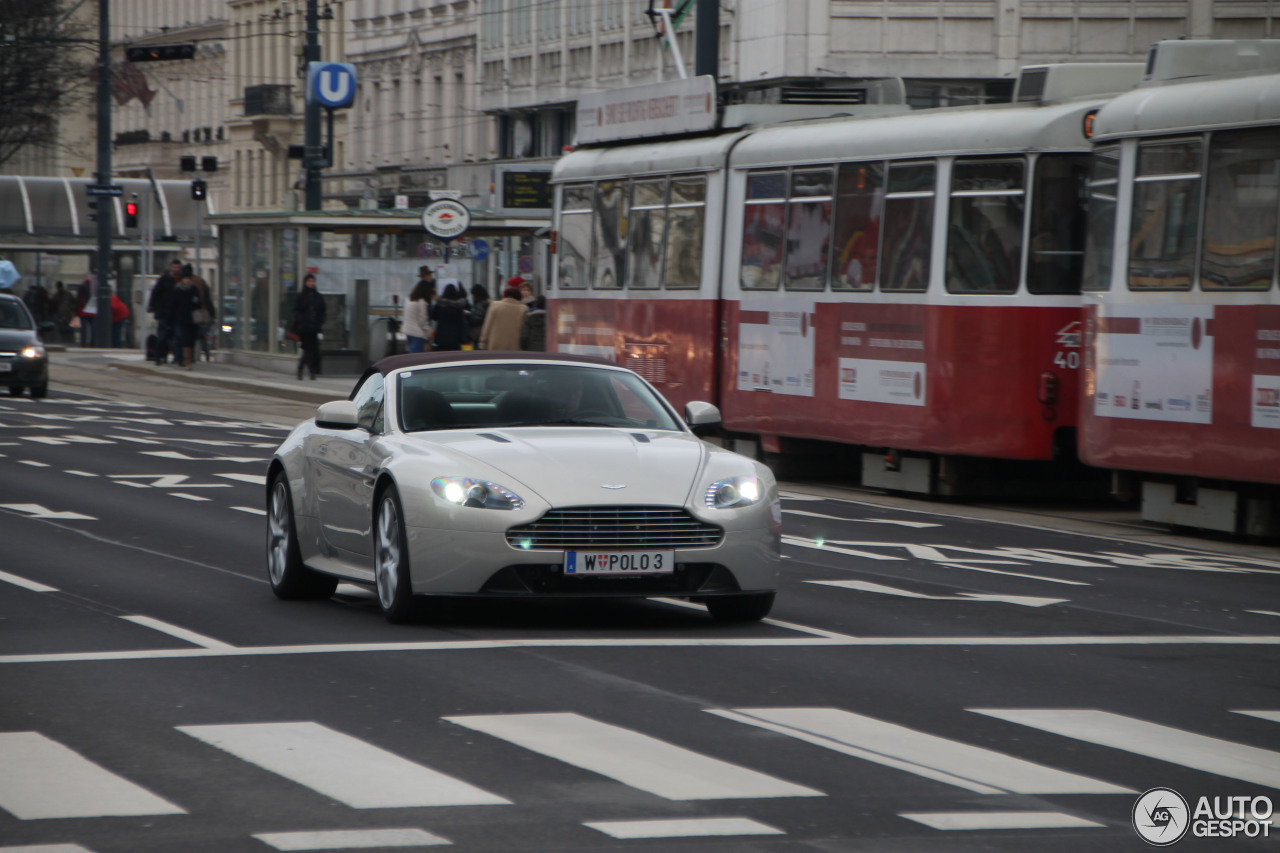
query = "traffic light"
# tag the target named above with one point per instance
(199, 189)
(160, 52)
(131, 214)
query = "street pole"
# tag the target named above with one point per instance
(706, 49)
(312, 143)
(106, 204)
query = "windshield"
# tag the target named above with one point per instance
(13, 315)
(499, 396)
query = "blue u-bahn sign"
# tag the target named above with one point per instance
(331, 84)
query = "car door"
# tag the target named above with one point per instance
(345, 467)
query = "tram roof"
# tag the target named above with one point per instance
(647, 158)
(941, 131)
(52, 209)
(1192, 105)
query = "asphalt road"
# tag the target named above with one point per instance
(933, 678)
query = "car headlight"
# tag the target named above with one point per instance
(465, 491)
(226, 328)
(734, 492)
(32, 352)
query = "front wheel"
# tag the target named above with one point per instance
(290, 578)
(748, 607)
(39, 392)
(391, 559)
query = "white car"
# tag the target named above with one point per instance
(518, 475)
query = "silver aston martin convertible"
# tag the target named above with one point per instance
(519, 475)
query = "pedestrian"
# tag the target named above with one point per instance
(479, 307)
(417, 316)
(526, 290)
(308, 323)
(189, 300)
(62, 307)
(204, 318)
(450, 315)
(533, 332)
(86, 311)
(119, 313)
(160, 306)
(503, 321)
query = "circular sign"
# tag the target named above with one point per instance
(446, 219)
(525, 264)
(479, 249)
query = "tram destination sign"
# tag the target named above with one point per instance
(104, 189)
(655, 109)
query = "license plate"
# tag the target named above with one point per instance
(6, 366)
(619, 562)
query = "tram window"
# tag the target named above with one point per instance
(1241, 194)
(608, 264)
(1059, 193)
(859, 205)
(1099, 243)
(687, 215)
(808, 229)
(984, 231)
(1166, 204)
(574, 251)
(646, 234)
(763, 230)
(908, 226)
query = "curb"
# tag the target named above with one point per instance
(279, 390)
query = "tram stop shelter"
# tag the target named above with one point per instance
(365, 262)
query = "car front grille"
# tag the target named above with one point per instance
(634, 527)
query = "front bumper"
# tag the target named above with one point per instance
(23, 372)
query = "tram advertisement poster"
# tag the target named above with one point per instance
(882, 354)
(775, 347)
(1266, 370)
(1155, 363)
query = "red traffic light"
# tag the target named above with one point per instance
(131, 214)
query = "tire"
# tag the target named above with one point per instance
(748, 607)
(391, 559)
(39, 392)
(290, 578)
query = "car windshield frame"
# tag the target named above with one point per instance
(13, 311)
(499, 395)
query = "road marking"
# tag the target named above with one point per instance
(38, 511)
(998, 820)
(80, 473)
(164, 481)
(1273, 716)
(663, 769)
(864, 586)
(1010, 574)
(704, 827)
(59, 440)
(359, 774)
(40, 778)
(821, 545)
(1164, 743)
(135, 439)
(820, 640)
(179, 455)
(349, 839)
(983, 771)
(256, 479)
(914, 524)
(186, 496)
(790, 626)
(33, 463)
(26, 584)
(175, 631)
(47, 848)
(1264, 612)
(251, 509)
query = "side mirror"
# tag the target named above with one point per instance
(698, 414)
(339, 414)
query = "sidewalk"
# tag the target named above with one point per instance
(213, 373)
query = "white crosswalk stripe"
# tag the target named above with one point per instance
(1165, 743)
(40, 779)
(350, 770)
(632, 758)
(983, 771)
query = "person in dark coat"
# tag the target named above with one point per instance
(450, 315)
(533, 334)
(479, 307)
(160, 306)
(187, 297)
(308, 322)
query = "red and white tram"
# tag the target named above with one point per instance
(1182, 380)
(906, 284)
